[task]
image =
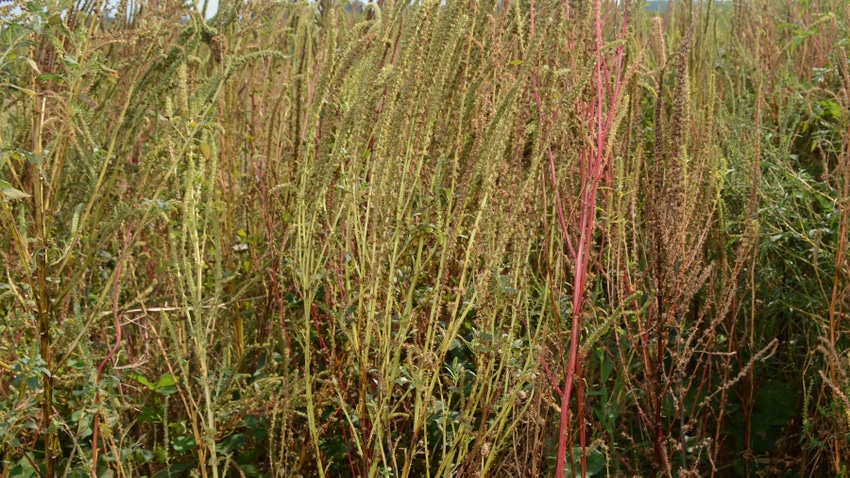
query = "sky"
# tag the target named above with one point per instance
(212, 7)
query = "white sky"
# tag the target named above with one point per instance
(212, 7)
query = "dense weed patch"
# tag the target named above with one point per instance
(462, 238)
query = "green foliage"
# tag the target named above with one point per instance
(327, 239)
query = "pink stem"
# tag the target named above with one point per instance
(592, 171)
(117, 321)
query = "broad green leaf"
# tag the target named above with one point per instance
(231, 443)
(182, 444)
(141, 379)
(165, 380)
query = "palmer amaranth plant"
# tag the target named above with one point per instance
(435, 238)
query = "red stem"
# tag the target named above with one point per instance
(592, 170)
(117, 321)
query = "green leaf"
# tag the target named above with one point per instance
(166, 385)
(33, 65)
(205, 150)
(595, 462)
(13, 193)
(34, 158)
(142, 380)
(182, 444)
(165, 380)
(50, 77)
(832, 108)
(231, 443)
(176, 469)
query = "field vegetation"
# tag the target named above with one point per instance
(424, 239)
